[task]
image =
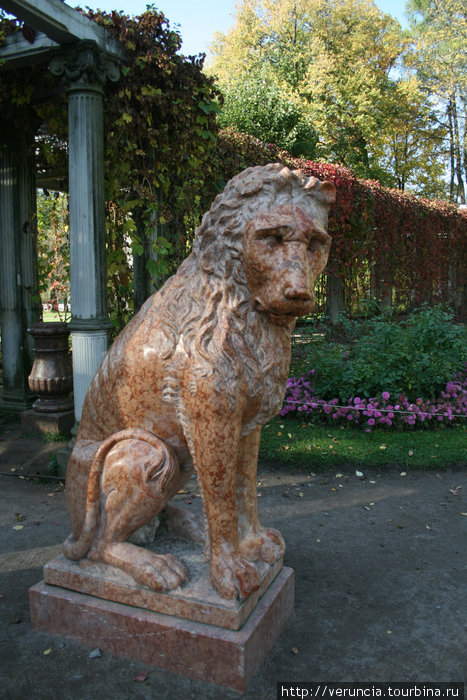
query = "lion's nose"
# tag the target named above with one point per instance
(294, 294)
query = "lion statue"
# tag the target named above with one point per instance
(191, 380)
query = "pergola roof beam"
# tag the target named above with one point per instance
(19, 52)
(61, 23)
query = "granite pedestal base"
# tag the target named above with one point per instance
(33, 421)
(205, 652)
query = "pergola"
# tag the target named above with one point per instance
(85, 56)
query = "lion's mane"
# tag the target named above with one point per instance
(208, 302)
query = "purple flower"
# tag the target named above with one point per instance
(386, 395)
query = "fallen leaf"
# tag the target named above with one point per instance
(359, 474)
(18, 527)
(389, 631)
(279, 433)
(301, 494)
(289, 435)
(294, 650)
(333, 488)
(259, 495)
(318, 540)
(339, 476)
(455, 490)
(403, 474)
(382, 447)
(142, 676)
(372, 481)
(410, 453)
(48, 651)
(95, 654)
(286, 447)
(463, 514)
(428, 527)
(182, 491)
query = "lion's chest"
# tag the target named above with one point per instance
(266, 395)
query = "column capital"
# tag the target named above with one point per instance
(85, 66)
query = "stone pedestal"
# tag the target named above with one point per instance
(204, 652)
(191, 630)
(55, 423)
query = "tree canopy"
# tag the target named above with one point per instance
(366, 87)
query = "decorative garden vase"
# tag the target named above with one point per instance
(51, 376)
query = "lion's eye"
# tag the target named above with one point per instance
(272, 239)
(315, 246)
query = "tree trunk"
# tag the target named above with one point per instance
(458, 159)
(451, 153)
(335, 295)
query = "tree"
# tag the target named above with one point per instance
(411, 149)
(333, 57)
(439, 57)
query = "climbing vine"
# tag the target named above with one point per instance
(160, 135)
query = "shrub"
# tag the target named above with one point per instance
(414, 358)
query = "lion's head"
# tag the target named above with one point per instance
(267, 233)
(254, 262)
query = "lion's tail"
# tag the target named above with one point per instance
(77, 549)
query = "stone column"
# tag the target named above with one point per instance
(86, 68)
(19, 289)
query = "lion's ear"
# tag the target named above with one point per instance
(329, 191)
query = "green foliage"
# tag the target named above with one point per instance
(332, 58)
(258, 106)
(415, 357)
(160, 134)
(53, 248)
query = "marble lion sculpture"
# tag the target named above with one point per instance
(192, 379)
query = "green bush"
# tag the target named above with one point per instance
(415, 357)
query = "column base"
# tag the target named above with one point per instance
(16, 405)
(204, 652)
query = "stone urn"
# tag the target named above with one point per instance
(51, 376)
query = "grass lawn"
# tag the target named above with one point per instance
(317, 447)
(53, 316)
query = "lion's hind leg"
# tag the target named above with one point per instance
(136, 477)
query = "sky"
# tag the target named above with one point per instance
(199, 20)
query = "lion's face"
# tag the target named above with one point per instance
(284, 250)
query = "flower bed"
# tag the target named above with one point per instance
(383, 411)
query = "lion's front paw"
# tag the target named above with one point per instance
(233, 577)
(265, 545)
(161, 572)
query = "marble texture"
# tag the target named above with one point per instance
(204, 652)
(191, 380)
(194, 601)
